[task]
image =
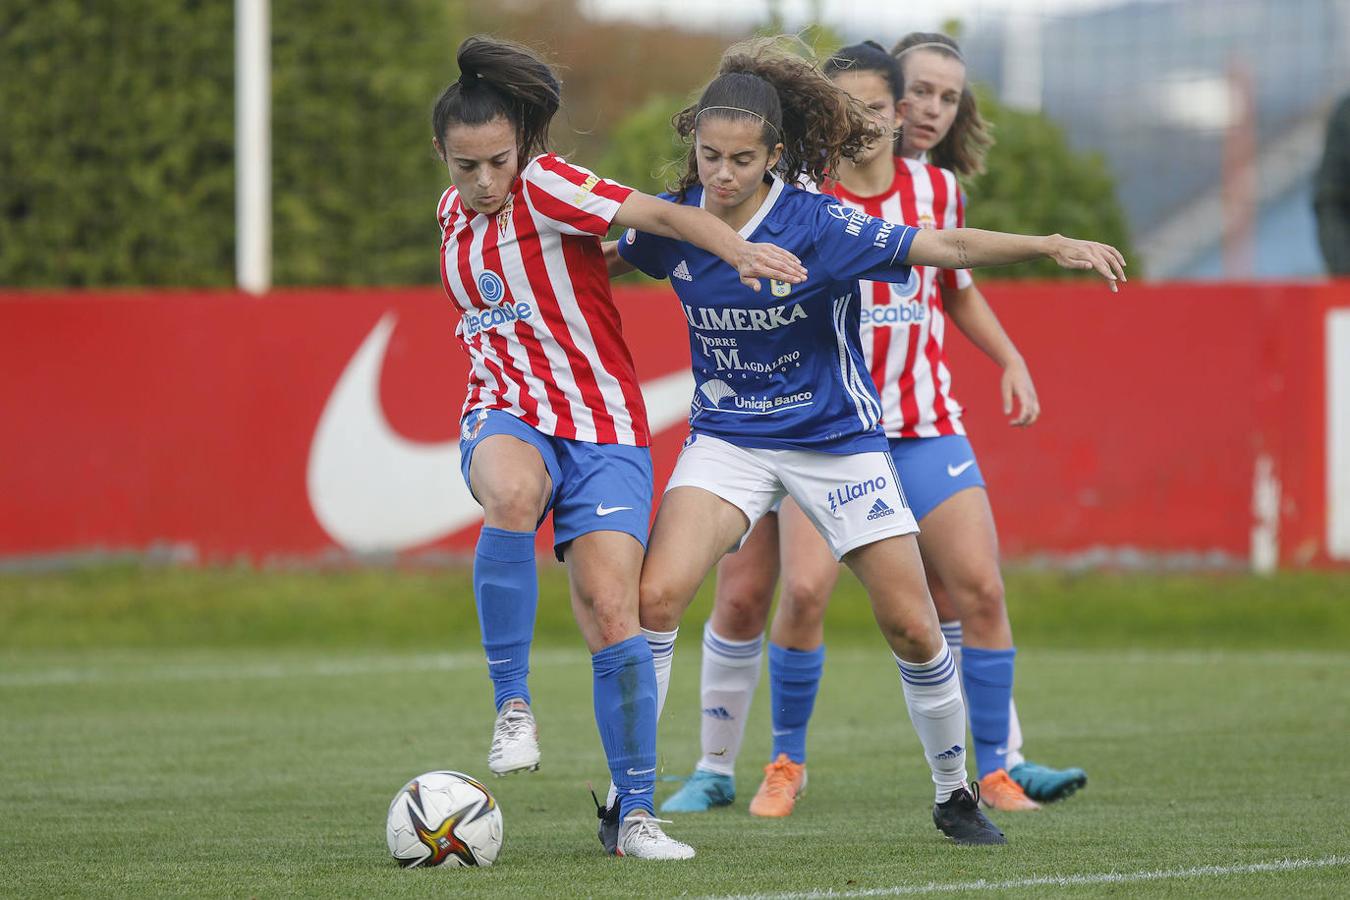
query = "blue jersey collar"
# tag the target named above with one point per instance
(775, 190)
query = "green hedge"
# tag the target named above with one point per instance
(116, 145)
(118, 128)
(1037, 184)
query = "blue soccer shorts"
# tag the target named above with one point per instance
(932, 469)
(596, 487)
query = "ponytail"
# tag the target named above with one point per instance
(500, 79)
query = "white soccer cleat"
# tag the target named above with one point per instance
(641, 837)
(515, 740)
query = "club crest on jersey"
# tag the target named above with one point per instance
(630, 236)
(909, 289)
(779, 288)
(926, 220)
(491, 287)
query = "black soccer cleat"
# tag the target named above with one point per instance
(608, 831)
(960, 819)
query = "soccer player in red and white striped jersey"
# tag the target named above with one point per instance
(553, 400)
(904, 327)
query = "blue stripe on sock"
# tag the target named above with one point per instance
(939, 672)
(733, 649)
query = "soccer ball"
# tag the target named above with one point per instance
(444, 819)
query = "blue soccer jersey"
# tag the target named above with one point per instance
(782, 368)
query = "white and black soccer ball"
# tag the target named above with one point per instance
(444, 819)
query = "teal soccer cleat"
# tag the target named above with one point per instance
(1046, 785)
(703, 791)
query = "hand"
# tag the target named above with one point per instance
(758, 261)
(1075, 254)
(1017, 387)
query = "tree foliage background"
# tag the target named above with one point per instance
(117, 130)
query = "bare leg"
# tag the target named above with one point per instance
(960, 548)
(892, 572)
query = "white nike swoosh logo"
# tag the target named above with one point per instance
(777, 733)
(602, 510)
(498, 662)
(375, 491)
(641, 771)
(957, 470)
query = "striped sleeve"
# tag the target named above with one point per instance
(956, 279)
(575, 199)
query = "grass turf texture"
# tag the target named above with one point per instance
(229, 732)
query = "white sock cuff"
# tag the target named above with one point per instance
(732, 653)
(951, 630)
(937, 671)
(662, 643)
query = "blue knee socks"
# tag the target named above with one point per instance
(625, 711)
(988, 677)
(506, 589)
(794, 678)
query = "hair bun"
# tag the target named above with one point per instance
(874, 44)
(468, 77)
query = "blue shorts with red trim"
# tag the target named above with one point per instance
(596, 487)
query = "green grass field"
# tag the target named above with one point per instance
(239, 733)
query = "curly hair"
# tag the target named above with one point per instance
(965, 145)
(800, 108)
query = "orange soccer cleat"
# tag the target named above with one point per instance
(784, 781)
(1000, 792)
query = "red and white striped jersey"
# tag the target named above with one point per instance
(539, 321)
(903, 325)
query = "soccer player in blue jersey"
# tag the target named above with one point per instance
(783, 403)
(924, 87)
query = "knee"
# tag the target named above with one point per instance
(516, 504)
(982, 605)
(745, 610)
(806, 595)
(660, 605)
(912, 637)
(614, 612)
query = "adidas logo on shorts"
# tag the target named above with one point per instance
(682, 272)
(879, 510)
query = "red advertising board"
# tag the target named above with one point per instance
(314, 424)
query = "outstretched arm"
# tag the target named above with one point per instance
(967, 248)
(971, 313)
(707, 232)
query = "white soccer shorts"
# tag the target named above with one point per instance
(852, 499)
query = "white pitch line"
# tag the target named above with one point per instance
(934, 887)
(321, 668)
